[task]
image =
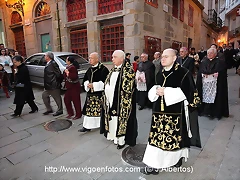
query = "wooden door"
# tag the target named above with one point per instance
(20, 41)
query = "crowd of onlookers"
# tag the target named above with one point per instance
(7, 70)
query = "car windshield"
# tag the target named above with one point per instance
(79, 59)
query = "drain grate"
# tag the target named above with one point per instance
(58, 125)
(134, 155)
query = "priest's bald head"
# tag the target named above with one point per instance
(118, 57)
(93, 58)
(168, 57)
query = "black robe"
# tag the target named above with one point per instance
(149, 69)
(93, 103)
(220, 106)
(168, 128)
(186, 62)
(124, 106)
(23, 94)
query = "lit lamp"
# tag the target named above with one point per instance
(17, 6)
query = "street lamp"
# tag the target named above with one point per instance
(17, 5)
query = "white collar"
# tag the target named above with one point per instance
(118, 66)
(95, 65)
(168, 68)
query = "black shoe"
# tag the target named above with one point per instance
(148, 170)
(179, 163)
(15, 115)
(47, 112)
(57, 113)
(120, 146)
(84, 130)
(140, 108)
(33, 111)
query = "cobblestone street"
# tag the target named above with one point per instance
(28, 151)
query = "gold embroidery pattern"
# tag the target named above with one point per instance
(128, 78)
(93, 108)
(196, 100)
(165, 132)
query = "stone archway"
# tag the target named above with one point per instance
(43, 24)
(17, 28)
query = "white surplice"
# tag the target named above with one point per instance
(156, 157)
(109, 92)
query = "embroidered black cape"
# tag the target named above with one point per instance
(168, 128)
(93, 103)
(124, 106)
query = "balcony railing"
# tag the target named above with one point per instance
(231, 5)
(212, 17)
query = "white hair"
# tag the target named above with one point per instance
(145, 54)
(119, 53)
(212, 50)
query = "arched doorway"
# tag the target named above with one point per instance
(17, 28)
(43, 24)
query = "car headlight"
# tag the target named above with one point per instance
(82, 72)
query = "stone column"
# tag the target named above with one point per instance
(93, 27)
(133, 27)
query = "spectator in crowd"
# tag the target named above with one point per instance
(157, 62)
(128, 56)
(52, 85)
(23, 88)
(4, 80)
(135, 63)
(6, 61)
(73, 89)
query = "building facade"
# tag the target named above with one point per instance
(84, 26)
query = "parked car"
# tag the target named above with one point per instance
(37, 62)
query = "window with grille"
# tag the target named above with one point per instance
(152, 45)
(178, 9)
(109, 6)
(79, 43)
(42, 9)
(153, 3)
(16, 18)
(181, 15)
(112, 38)
(175, 8)
(76, 9)
(190, 16)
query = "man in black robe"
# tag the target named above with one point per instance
(93, 83)
(212, 86)
(174, 95)
(202, 53)
(118, 120)
(185, 61)
(145, 77)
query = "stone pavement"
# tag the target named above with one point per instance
(28, 151)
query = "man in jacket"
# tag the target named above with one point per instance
(52, 85)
